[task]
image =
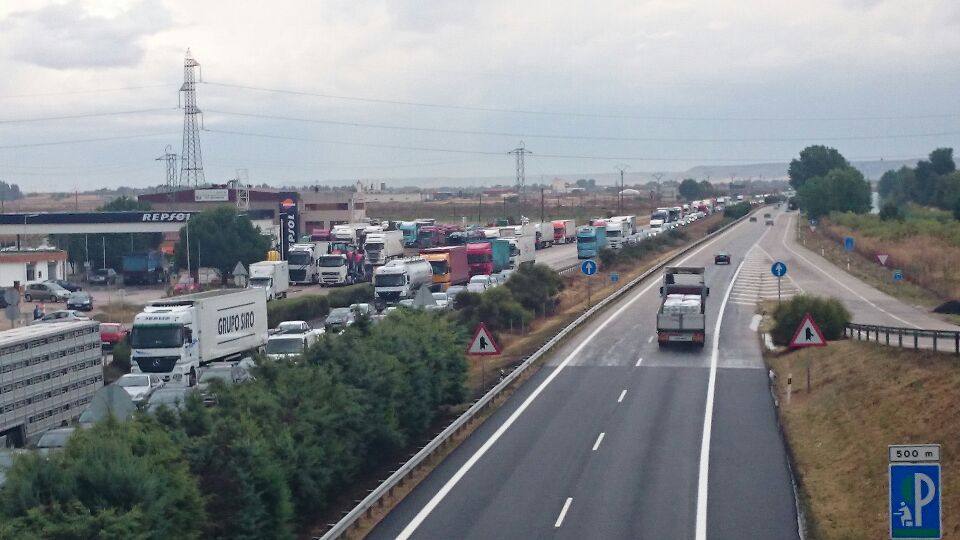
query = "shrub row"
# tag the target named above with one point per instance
(531, 290)
(737, 210)
(828, 313)
(309, 306)
(264, 461)
(635, 252)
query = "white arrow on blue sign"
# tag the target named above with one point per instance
(898, 275)
(778, 269)
(588, 267)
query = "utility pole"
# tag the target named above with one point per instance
(191, 171)
(170, 158)
(520, 152)
(620, 168)
(541, 205)
(479, 209)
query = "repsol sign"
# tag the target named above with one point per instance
(229, 324)
(166, 217)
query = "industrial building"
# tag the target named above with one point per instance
(48, 375)
(31, 266)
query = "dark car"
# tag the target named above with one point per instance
(722, 257)
(104, 276)
(753, 219)
(68, 285)
(80, 300)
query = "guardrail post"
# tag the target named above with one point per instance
(935, 333)
(886, 334)
(900, 337)
(916, 340)
(859, 337)
(845, 328)
(956, 343)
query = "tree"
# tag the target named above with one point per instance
(219, 238)
(689, 189)
(956, 209)
(890, 211)
(706, 189)
(941, 160)
(814, 161)
(10, 192)
(536, 287)
(840, 190)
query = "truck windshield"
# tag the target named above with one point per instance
(156, 337)
(373, 246)
(662, 216)
(332, 262)
(299, 258)
(389, 280)
(478, 258)
(285, 345)
(583, 238)
(261, 282)
(440, 268)
(613, 233)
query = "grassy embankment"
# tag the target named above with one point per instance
(925, 245)
(864, 397)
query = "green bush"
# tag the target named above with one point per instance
(535, 287)
(302, 308)
(496, 308)
(121, 356)
(354, 294)
(829, 314)
(737, 210)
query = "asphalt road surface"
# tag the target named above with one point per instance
(616, 438)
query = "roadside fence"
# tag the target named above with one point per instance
(905, 337)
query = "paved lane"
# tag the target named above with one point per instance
(539, 466)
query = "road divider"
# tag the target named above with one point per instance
(950, 338)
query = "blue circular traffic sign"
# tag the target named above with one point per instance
(778, 269)
(588, 267)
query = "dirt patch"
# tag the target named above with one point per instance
(117, 312)
(862, 398)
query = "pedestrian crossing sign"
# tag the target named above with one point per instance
(808, 334)
(482, 343)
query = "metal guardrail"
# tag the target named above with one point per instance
(899, 332)
(375, 499)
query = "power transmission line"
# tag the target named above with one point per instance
(89, 140)
(79, 116)
(91, 91)
(579, 114)
(812, 138)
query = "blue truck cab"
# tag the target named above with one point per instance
(590, 240)
(410, 230)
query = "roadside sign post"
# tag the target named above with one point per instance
(915, 491)
(848, 244)
(898, 275)
(779, 270)
(483, 344)
(882, 257)
(589, 268)
(808, 334)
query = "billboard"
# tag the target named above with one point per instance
(289, 222)
(211, 195)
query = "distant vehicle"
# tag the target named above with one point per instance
(228, 374)
(522, 246)
(185, 285)
(406, 302)
(80, 301)
(68, 285)
(337, 269)
(480, 283)
(112, 333)
(103, 276)
(339, 319)
(768, 221)
(139, 387)
(449, 265)
(382, 247)
(401, 278)
(488, 256)
(753, 219)
(291, 344)
(171, 397)
(45, 292)
(767, 215)
(302, 260)
(54, 439)
(452, 292)
(619, 230)
(293, 327)
(682, 313)
(62, 315)
(722, 257)
(273, 277)
(410, 230)
(442, 300)
(362, 309)
(590, 240)
(145, 268)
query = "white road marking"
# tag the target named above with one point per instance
(704, 475)
(638, 362)
(838, 282)
(599, 440)
(563, 513)
(650, 339)
(485, 447)
(622, 395)
(755, 322)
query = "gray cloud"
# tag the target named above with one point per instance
(67, 36)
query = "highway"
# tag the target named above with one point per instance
(615, 438)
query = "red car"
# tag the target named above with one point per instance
(112, 333)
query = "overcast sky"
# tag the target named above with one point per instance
(656, 85)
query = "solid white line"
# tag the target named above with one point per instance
(563, 512)
(838, 282)
(599, 440)
(462, 471)
(704, 475)
(649, 339)
(638, 362)
(622, 395)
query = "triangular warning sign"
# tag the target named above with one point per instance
(808, 334)
(882, 257)
(482, 343)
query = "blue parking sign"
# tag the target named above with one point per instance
(915, 500)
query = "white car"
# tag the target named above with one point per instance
(480, 283)
(139, 386)
(54, 439)
(293, 327)
(62, 315)
(362, 309)
(280, 346)
(442, 300)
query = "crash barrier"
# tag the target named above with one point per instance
(946, 339)
(376, 498)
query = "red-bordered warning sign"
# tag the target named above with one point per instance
(808, 334)
(482, 343)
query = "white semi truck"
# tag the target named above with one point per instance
(381, 247)
(272, 277)
(523, 245)
(683, 299)
(173, 337)
(303, 261)
(620, 231)
(401, 278)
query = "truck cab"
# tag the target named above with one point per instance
(335, 270)
(590, 240)
(163, 341)
(302, 259)
(411, 231)
(401, 279)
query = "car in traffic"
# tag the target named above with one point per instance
(753, 219)
(721, 257)
(442, 300)
(45, 292)
(362, 309)
(103, 276)
(68, 285)
(453, 291)
(479, 283)
(339, 319)
(171, 397)
(139, 386)
(80, 301)
(54, 439)
(227, 374)
(768, 221)
(62, 315)
(112, 333)
(292, 327)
